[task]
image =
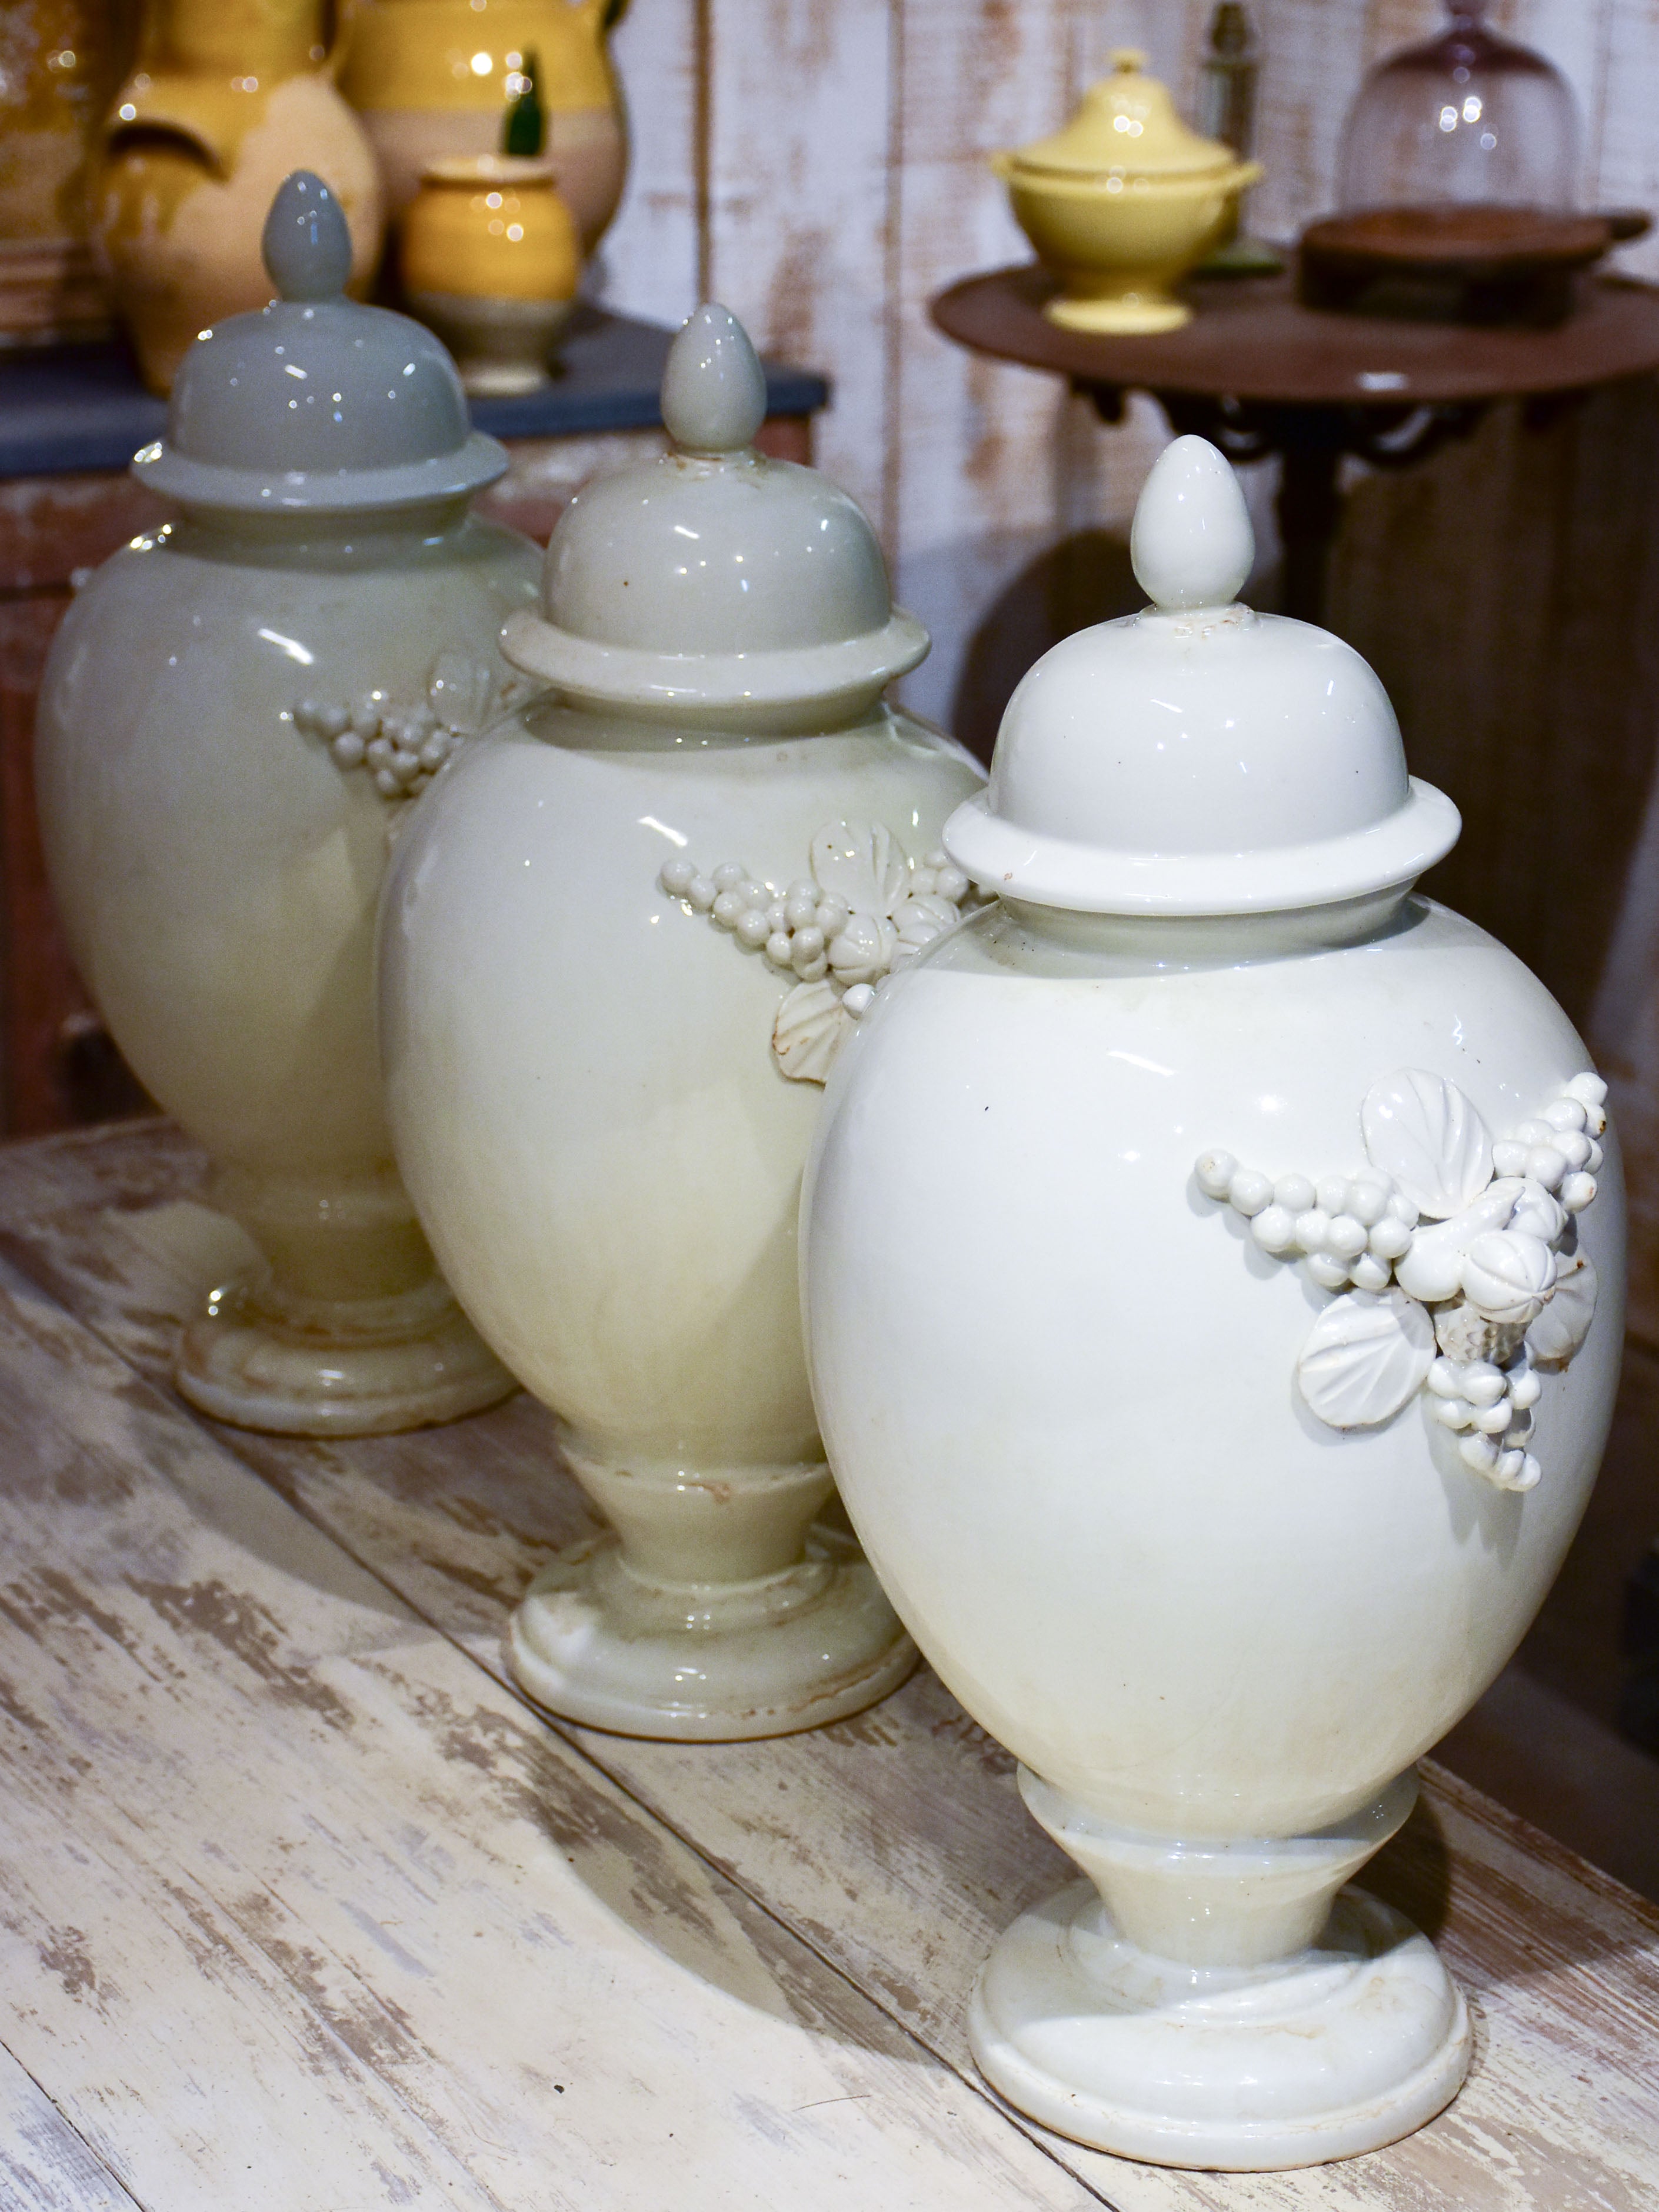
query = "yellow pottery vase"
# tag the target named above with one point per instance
(228, 97)
(59, 61)
(491, 260)
(1122, 203)
(430, 78)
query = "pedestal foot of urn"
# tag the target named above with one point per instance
(1342, 2043)
(347, 1367)
(699, 1663)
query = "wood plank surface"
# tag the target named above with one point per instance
(301, 1911)
(894, 1846)
(45, 2167)
(650, 262)
(799, 178)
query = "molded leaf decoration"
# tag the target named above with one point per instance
(1565, 1323)
(1420, 1129)
(1365, 1357)
(459, 691)
(811, 1024)
(866, 866)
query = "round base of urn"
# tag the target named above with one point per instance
(359, 1367)
(1342, 2045)
(594, 1640)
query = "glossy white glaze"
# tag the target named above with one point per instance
(1179, 761)
(1126, 1372)
(1430, 1248)
(589, 1108)
(1219, 1625)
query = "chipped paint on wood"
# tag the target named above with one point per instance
(45, 2167)
(298, 1907)
(890, 1849)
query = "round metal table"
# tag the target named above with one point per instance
(1260, 374)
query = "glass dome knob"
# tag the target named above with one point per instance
(1192, 544)
(713, 390)
(307, 243)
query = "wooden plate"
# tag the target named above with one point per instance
(1459, 263)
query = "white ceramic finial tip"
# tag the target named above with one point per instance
(713, 389)
(1192, 544)
(308, 242)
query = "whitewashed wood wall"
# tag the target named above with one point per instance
(820, 166)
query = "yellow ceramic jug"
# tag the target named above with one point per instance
(431, 80)
(228, 96)
(59, 61)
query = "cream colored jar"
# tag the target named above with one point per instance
(619, 948)
(239, 711)
(1296, 1238)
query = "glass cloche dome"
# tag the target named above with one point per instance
(1465, 118)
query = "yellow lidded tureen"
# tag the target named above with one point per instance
(1122, 202)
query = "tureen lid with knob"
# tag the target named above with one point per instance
(1126, 126)
(1199, 758)
(316, 403)
(713, 579)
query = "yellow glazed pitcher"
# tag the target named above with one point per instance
(226, 97)
(59, 61)
(430, 79)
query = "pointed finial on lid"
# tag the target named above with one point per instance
(713, 390)
(1192, 544)
(307, 244)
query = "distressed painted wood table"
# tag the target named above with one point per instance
(303, 1909)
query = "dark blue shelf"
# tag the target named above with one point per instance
(70, 408)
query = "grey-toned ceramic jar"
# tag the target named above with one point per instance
(239, 711)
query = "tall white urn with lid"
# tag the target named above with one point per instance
(619, 948)
(236, 715)
(1298, 1248)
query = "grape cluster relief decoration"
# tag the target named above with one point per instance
(401, 746)
(1456, 1257)
(866, 909)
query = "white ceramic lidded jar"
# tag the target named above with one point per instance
(1300, 1282)
(238, 711)
(618, 950)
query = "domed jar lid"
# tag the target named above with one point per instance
(1198, 758)
(713, 582)
(315, 403)
(1126, 126)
